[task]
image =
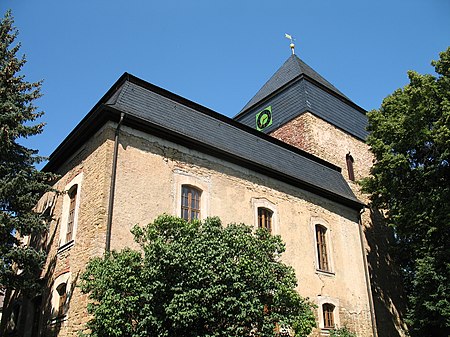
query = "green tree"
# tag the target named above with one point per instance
(342, 332)
(195, 279)
(410, 138)
(21, 185)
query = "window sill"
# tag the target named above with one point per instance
(325, 272)
(66, 246)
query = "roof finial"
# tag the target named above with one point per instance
(292, 45)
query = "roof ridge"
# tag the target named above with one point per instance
(311, 73)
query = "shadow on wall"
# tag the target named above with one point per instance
(22, 314)
(387, 290)
(31, 315)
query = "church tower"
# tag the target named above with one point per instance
(300, 107)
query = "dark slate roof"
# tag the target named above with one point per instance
(295, 89)
(155, 110)
(290, 70)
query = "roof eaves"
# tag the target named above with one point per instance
(151, 128)
(89, 122)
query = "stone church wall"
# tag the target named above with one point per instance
(90, 167)
(324, 140)
(150, 173)
(149, 178)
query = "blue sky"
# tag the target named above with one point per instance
(218, 53)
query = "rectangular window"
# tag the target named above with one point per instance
(265, 218)
(190, 202)
(349, 160)
(328, 319)
(322, 256)
(71, 218)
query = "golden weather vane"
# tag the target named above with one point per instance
(292, 45)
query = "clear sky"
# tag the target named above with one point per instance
(218, 53)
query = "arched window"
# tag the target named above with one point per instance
(72, 208)
(349, 160)
(62, 299)
(265, 218)
(69, 214)
(190, 202)
(328, 316)
(322, 252)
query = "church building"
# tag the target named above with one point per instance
(289, 161)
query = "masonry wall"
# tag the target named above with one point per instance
(150, 173)
(149, 177)
(90, 166)
(324, 140)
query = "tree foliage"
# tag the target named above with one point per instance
(21, 185)
(195, 279)
(342, 332)
(410, 138)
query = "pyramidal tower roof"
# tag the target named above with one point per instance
(292, 69)
(296, 88)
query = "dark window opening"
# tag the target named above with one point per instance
(71, 219)
(62, 293)
(328, 316)
(349, 160)
(265, 218)
(322, 254)
(190, 202)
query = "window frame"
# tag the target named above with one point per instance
(61, 289)
(264, 203)
(328, 315)
(322, 257)
(265, 218)
(60, 308)
(182, 177)
(73, 192)
(322, 303)
(350, 166)
(318, 222)
(193, 197)
(69, 214)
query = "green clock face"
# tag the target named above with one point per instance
(264, 118)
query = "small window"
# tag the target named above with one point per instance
(328, 316)
(62, 293)
(69, 213)
(349, 160)
(265, 218)
(322, 254)
(190, 202)
(72, 208)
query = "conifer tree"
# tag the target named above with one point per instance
(21, 184)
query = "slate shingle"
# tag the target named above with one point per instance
(217, 132)
(295, 89)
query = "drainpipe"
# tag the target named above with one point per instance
(113, 185)
(366, 272)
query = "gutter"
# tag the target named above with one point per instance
(113, 185)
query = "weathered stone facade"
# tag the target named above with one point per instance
(319, 137)
(91, 163)
(150, 173)
(324, 140)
